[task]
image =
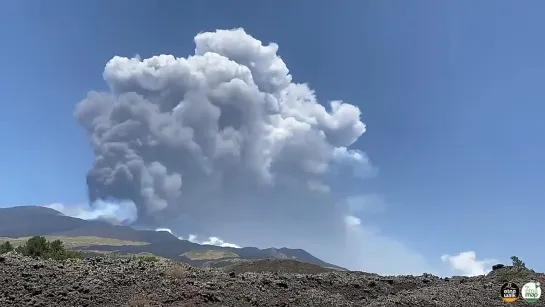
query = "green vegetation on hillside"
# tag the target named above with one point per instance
(6, 247)
(516, 272)
(517, 263)
(209, 254)
(147, 258)
(39, 247)
(72, 242)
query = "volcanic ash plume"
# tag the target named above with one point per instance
(220, 137)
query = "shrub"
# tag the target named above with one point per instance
(34, 247)
(6, 247)
(176, 271)
(57, 251)
(147, 258)
(517, 263)
(516, 272)
(513, 274)
(39, 247)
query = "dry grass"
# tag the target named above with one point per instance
(140, 301)
(209, 254)
(177, 271)
(104, 253)
(147, 258)
(73, 242)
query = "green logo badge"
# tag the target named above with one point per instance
(531, 292)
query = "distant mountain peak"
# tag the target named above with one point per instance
(30, 210)
(26, 221)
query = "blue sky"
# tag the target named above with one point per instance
(451, 93)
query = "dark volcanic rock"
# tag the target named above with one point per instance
(278, 266)
(127, 282)
(497, 266)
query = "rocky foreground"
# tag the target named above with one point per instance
(128, 282)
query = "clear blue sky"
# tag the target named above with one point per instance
(452, 93)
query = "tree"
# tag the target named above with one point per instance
(6, 247)
(57, 251)
(56, 246)
(36, 247)
(40, 247)
(517, 262)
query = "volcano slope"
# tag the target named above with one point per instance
(104, 281)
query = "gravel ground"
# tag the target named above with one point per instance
(108, 282)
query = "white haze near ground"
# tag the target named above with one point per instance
(284, 141)
(465, 263)
(193, 238)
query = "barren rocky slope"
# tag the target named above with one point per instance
(128, 282)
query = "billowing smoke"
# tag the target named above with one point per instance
(467, 264)
(211, 130)
(224, 142)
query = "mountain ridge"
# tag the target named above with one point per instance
(26, 221)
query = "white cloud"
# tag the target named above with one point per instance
(165, 229)
(116, 212)
(213, 241)
(352, 221)
(467, 264)
(356, 160)
(169, 231)
(193, 238)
